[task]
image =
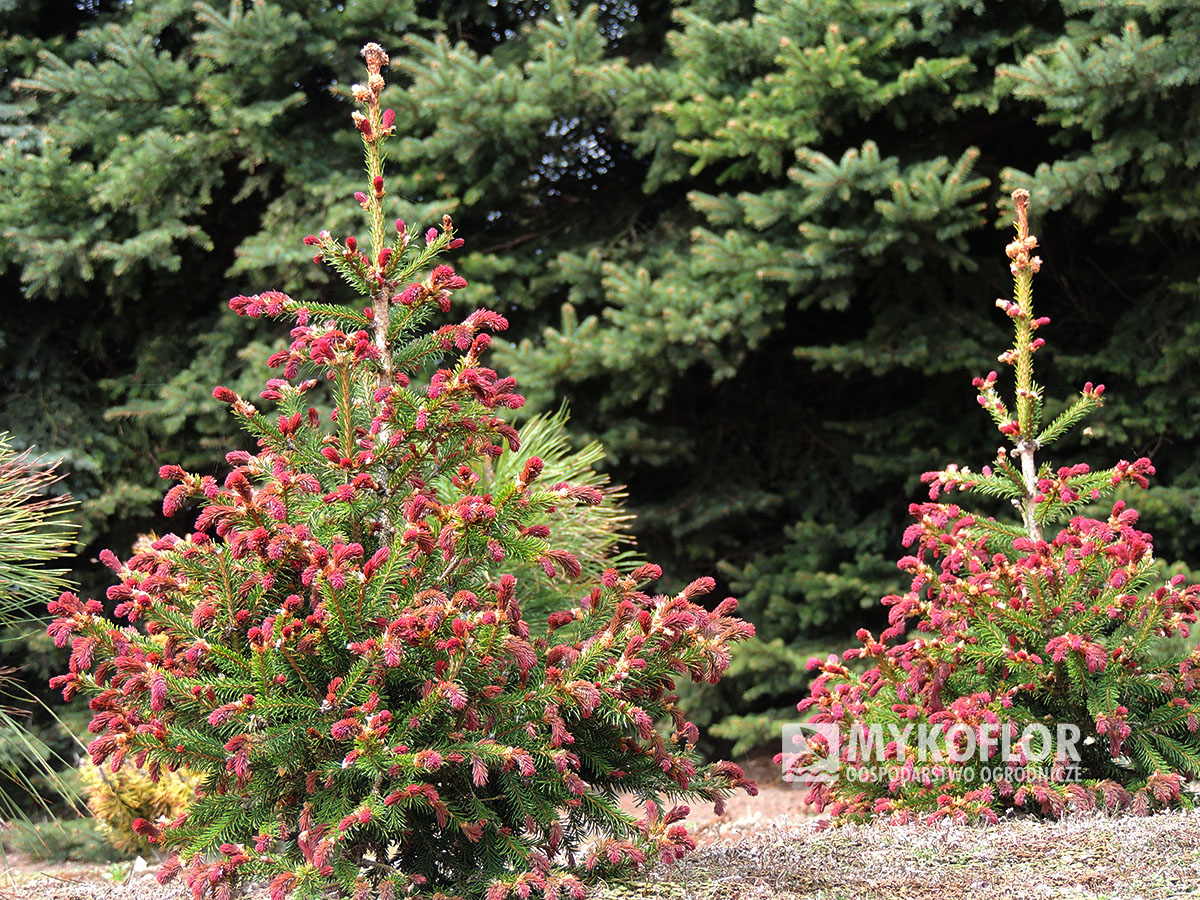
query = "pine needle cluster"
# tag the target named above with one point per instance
(338, 648)
(36, 534)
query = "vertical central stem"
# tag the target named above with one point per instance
(381, 307)
(1025, 449)
(1028, 415)
(381, 311)
(373, 132)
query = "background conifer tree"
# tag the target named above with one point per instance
(740, 235)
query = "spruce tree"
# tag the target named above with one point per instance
(1038, 648)
(339, 650)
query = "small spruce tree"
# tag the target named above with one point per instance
(338, 648)
(1010, 626)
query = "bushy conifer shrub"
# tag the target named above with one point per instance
(338, 649)
(1058, 619)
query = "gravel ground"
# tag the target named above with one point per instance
(765, 848)
(1123, 858)
(90, 885)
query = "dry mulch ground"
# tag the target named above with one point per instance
(1124, 858)
(766, 847)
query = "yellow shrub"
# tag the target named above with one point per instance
(116, 799)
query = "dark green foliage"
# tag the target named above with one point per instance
(766, 222)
